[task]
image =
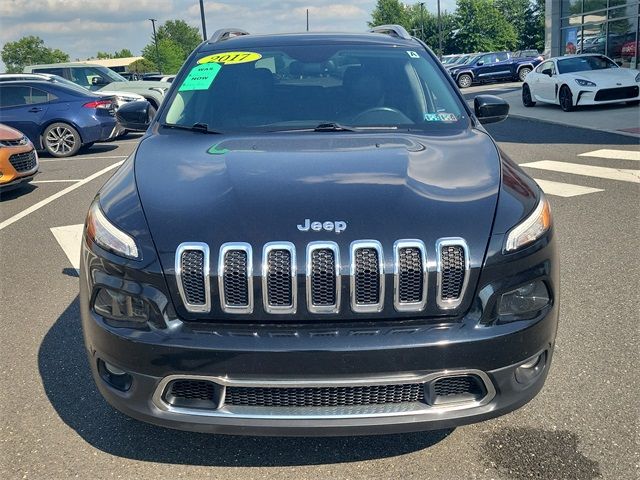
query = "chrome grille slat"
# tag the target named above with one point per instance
(367, 276)
(235, 277)
(192, 276)
(410, 275)
(279, 277)
(453, 271)
(323, 277)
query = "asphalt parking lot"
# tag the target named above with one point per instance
(583, 425)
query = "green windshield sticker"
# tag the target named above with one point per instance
(200, 77)
(214, 150)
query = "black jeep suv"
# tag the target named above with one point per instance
(316, 236)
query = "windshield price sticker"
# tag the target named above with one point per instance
(231, 58)
(200, 77)
(440, 117)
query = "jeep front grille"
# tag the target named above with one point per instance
(279, 277)
(410, 275)
(323, 274)
(453, 271)
(367, 276)
(235, 278)
(323, 277)
(192, 272)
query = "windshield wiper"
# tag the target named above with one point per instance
(196, 127)
(333, 127)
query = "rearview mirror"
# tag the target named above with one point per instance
(547, 71)
(134, 115)
(490, 109)
(98, 81)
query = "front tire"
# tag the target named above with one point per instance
(566, 99)
(61, 140)
(527, 99)
(464, 80)
(523, 72)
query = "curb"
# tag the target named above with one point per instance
(615, 132)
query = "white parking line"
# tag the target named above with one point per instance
(57, 195)
(58, 181)
(80, 157)
(613, 154)
(69, 238)
(564, 189)
(621, 174)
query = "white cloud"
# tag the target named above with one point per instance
(84, 27)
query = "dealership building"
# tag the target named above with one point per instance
(609, 27)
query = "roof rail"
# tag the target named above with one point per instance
(226, 33)
(393, 30)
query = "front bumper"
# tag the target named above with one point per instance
(10, 177)
(299, 356)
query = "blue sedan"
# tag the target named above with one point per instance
(57, 118)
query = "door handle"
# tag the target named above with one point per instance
(35, 109)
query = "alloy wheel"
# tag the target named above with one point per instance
(60, 140)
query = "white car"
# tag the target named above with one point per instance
(576, 80)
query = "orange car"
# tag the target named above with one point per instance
(18, 158)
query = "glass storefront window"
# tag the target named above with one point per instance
(593, 39)
(591, 5)
(622, 42)
(571, 7)
(570, 40)
(572, 21)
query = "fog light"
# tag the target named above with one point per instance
(528, 298)
(120, 306)
(117, 378)
(528, 371)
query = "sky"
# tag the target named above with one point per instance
(83, 27)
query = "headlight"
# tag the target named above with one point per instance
(107, 236)
(585, 83)
(528, 298)
(531, 229)
(638, 77)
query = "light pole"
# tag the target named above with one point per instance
(307, 19)
(422, 21)
(155, 40)
(204, 23)
(439, 33)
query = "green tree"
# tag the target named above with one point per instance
(124, 53)
(182, 34)
(29, 50)
(389, 12)
(171, 55)
(142, 66)
(532, 36)
(482, 27)
(415, 22)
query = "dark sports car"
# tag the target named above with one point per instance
(316, 236)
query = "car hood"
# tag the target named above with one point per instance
(120, 93)
(608, 77)
(136, 86)
(196, 187)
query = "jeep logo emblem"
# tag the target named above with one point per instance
(337, 226)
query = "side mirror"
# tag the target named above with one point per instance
(547, 71)
(134, 115)
(490, 109)
(480, 63)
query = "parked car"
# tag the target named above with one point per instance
(532, 53)
(494, 66)
(576, 80)
(160, 78)
(18, 158)
(57, 118)
(97, 77)
(461, 60)
(319, 255)
(121, 97)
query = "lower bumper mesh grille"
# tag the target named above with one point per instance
(324, 396)
(23, 162)
(621, 93)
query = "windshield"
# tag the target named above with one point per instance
(582, 64)
(68, 83)
(113, 76)
(296, 87)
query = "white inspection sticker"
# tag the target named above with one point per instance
(413, 54)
